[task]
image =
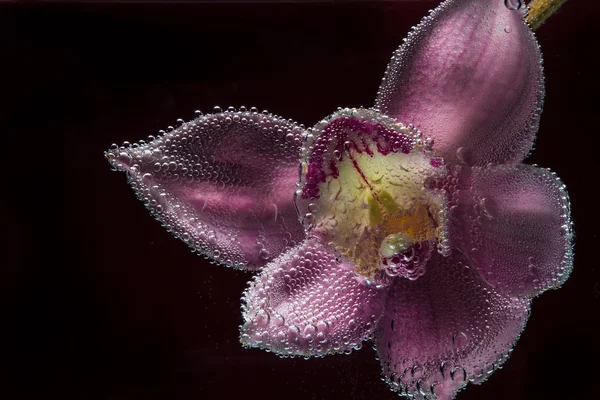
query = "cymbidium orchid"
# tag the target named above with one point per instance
(413, 224)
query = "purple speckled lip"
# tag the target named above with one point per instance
(349, 134)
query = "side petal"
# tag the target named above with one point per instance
(223, 183)
(514, 224)
(307, 303)
(445, 329)
(470, 77)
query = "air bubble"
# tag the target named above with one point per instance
(293, 333)
(262, 319)
(460, 340)
(124, 159)
(463, 155)
(513, 4)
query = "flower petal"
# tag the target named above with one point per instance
(307, 303)
(446, 328)
(223, 183)
(514, 223)
(470, 77)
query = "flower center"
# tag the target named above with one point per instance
(364, 191)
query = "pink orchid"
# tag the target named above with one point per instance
(413, 224)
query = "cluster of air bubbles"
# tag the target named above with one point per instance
(407, 260)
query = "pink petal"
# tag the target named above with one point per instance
(446, 328)
(223, 183)
(514, 223)
(470, 77)
(307, 303)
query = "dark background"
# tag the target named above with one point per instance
(99, 302)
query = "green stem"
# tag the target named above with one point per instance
(541, 10)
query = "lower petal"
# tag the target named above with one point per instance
(309, 303)
(445, 329)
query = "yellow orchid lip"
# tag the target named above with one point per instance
(363, 191)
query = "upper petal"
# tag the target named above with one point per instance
(223, 183)
(446, 328)
(309, 303)
(470, 77)
(514, 223)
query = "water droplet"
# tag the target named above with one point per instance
(463, 155)
(323, 326)
(459, 374)
(278, 320)
(446, 368)
(281, 336)
(293, 333)
(262, 318)
(460, 340)
(310, 330)
(488, 207)
(352, 325)
(147, 178)
(394, 244)
(321, 338)
(513, 4)
(477, 256)
(124, 159)
(264, 254)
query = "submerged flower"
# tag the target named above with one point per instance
(413, 224)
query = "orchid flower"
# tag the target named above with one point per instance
(413, 224)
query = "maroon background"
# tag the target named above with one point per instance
(99, 302)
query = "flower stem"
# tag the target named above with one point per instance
(541, 10)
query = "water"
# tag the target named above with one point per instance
(103, 300)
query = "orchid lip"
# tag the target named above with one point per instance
(362, 190)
